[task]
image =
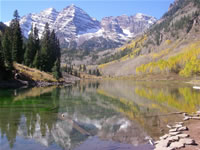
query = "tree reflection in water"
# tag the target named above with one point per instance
(120, 111)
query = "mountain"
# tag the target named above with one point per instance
(170, 46)
(77, 30)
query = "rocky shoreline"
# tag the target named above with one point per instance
(177, 138)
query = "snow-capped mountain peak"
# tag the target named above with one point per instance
(139, 15)
(75, 28)
(49, 11)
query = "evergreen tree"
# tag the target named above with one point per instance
(98, 72)
(84, 68)
(46, 50)
(30, 50)
(90, 71)
(94, 72)
(56, 69)
(7, 50)
(2, 66)
(54, 47)
(37, 61)
(17, 42)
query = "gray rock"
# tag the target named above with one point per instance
(176, 145)
(162, 148)
(196, 118)
(169, 126)
(187, 141)
(177, 126)
(174, 133)
(173, 130)
(164, 137)
(163, 143)
(183, 135)
(182, 128)
(185, 114)
(186, 118)
(173, 138)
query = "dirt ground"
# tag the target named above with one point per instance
(194, 132)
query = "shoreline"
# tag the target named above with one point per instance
(183, 135)
(15, 84)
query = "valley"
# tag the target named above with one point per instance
(121, 81)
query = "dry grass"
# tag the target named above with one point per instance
(34, 74)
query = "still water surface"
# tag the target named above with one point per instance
(98, 115)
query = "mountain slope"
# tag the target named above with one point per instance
(170, 46)
(77, 30)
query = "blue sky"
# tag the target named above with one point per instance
(95, 8)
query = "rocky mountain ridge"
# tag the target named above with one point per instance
(170, 47)
(77, 30)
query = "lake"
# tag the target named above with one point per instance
(92, 115)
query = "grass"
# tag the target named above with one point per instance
(35, 74)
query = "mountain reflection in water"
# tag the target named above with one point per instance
(96, 115)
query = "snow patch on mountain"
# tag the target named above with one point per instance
(72, 24)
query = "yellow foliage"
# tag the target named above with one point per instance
(188, 102)
(104, 65)
(134, 46)
(185, 63)
(168, 42)
(162, 53)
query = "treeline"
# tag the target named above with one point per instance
(74, 70)
(11, 47)
(115, 56)
(43, 54)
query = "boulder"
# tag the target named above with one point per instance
(163, 143)
(186, 118)
(173, 138)
(174, 133)
(164, 137)
(183, 136)
(187, 141)
(182, 128)
(178, 126)
(176, 145)
(173, 130)
(196, 118)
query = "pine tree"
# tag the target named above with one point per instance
(2, 66)
(30, 50)
(7, 50)
(90, 71)
(56, 69)
(53, 47)
(98, 72)
(84, 68)
(46, 50)
(94, 72)
(36, 61)
(17, 42)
